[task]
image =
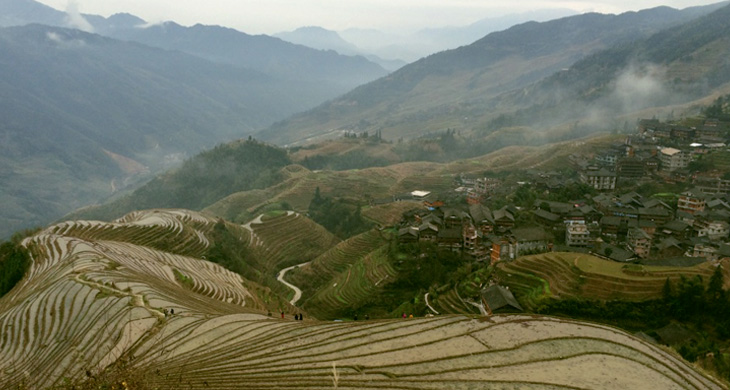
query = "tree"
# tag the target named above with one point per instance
(715, 293)
(14, 262)
(667, 293)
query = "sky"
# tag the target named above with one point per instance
(398, 16)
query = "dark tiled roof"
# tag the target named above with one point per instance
(498, 297)
(450, 233)
(530, 234)
(546, 215)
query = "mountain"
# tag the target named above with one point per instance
(21, 12)
(319, 38)
(82, 114)
(331, 73)
(323, 39)
(461, 88)
(674, 69)
(444, 38)
(335, 72)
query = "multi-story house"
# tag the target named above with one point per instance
(692, 201)
(639, 242)
(577, 234)
(673, 159)
(600, 179)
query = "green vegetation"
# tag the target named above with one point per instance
(417, 268)
(356, 159)
(228, 250)
(702, 308)
(339, 217)
(720, 109)
(185, 280)
(204, 179)
(14, 262)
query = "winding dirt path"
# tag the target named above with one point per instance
(425, 298)
(297, 291)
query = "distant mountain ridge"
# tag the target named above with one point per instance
(323, 39)
(460, 88)
(259, 52)
(72, 100)
(334, 72)
(82, 112)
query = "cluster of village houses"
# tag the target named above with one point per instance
(620, 226)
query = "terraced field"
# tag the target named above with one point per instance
(565, 275)
(90, 305)
(298, 190)
(450, 302)
(289, 239)
(352, 287)
(449, 352)
(391, 213)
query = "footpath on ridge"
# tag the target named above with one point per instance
(297, 291)
(282, 273)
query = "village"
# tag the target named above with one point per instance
(495, 219)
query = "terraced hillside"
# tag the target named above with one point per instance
(451, 302)
(568, 275)
(288, 239)
(354, 286)
(336, 260)
(391, 213)
(94, 308)
(298, 190)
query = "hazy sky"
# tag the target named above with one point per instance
(271, 16)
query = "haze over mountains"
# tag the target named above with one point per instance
(84, 115)
(88, 116)
(403, 48)
(171, 282)
(466, 88)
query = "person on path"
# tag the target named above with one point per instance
(404, 315)
(301, 317)
(282, 314)
(367, 317)
(172, 311)
(355, 317)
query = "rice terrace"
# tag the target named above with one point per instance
(117, 302)
(440, 195)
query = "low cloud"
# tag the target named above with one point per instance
(641, 86)
(64, 41)
(74, 19)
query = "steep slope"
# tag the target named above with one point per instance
(82, 113)
(674, 66)
(94, 310)
(459, 88)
